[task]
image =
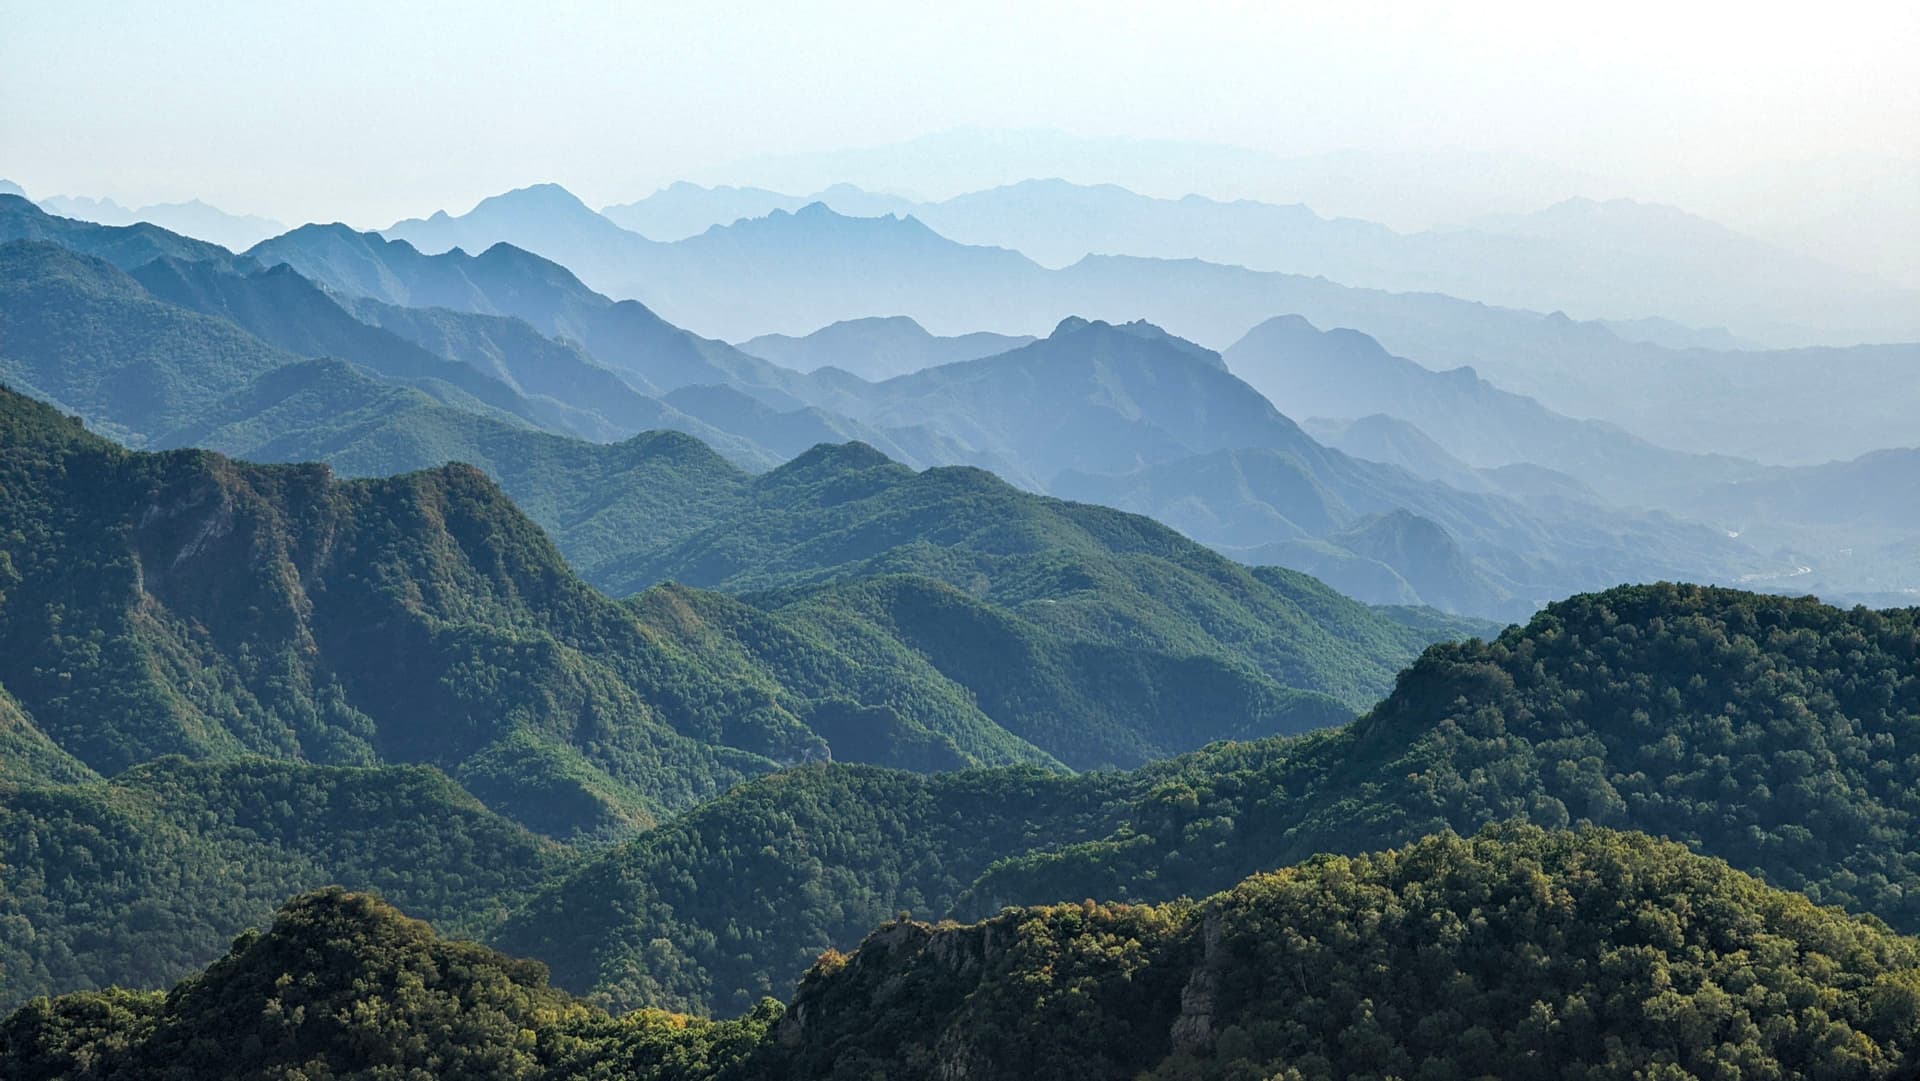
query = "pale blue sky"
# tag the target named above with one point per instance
(372, 111)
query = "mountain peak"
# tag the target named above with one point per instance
(825, 460)
(1074, 325)
(547, 195)
(1071, 325)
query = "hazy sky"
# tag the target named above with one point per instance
(372, 111)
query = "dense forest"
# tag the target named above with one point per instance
(1521, 953)
(678, 734)
(1770, 732)
(199, 654)
(1550, 724)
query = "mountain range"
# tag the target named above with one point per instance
(1616, 259)
(1080, 414)
(1606, 710)
(878, 348)
(1252, 980)
(814, 266)
(897, 701)
(192, 217)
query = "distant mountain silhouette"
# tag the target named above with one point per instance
(681, 209)
(1126, 414)
(1345, 374)
(878, 347)
(1133, 417)
(790, 273)
(192, 218)
(1618, 260)
(126, 246)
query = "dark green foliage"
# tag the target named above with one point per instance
(143, 879)
(597, 500)
(1089, 704)
(1521, 954)
(289, 312)
(1778, 734)
(183, 603)
(1083, 573)
(1542, 724)
(734, 899)
(344, 987)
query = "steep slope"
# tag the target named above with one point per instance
(212, 608)
(80, 333)
(597, 500)
(877, 348)
(1134, 418)
(1086, 573)
(502, 362)
(504, 280)
(545, 219)
(1091, 398)
(421, 618)
(286, 310)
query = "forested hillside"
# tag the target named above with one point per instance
(243, 649)
(1521, 953)
(1773, 733)
(1518, 954)
(138, 881)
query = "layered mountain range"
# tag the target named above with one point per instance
(967, 694)
(815, 265)
(1095, 411)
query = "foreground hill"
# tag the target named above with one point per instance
(377, 995)
(1521, 953)
(1518, 954)
(1773, 733)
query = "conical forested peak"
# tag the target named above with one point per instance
(833, 458)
